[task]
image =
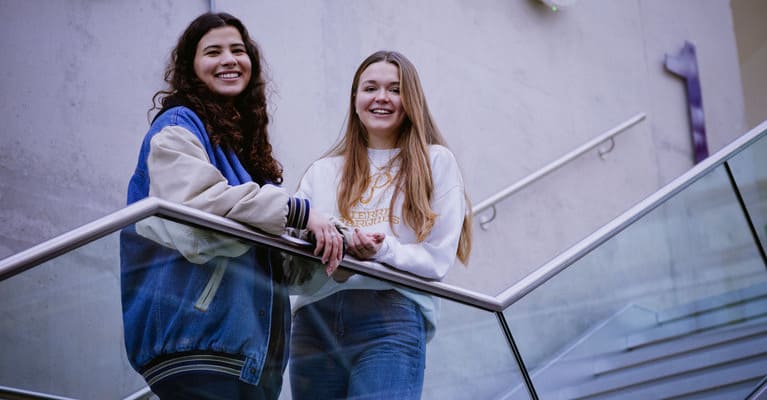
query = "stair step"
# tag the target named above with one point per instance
(713, 303)
(736, 391)
(627, 359)
(609, 336)
(747, 373)
(740, 377)
(751, 349)
(683, 327)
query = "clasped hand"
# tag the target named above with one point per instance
(365, 245)
(330, 243)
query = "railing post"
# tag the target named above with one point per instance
(746, 214)
(517, 355)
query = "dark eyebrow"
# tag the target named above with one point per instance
(218, 46)
(372, 81)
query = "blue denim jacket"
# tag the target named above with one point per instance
(160, 288)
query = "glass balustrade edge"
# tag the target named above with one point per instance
(612, 228)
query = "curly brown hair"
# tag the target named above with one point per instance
(240, 125)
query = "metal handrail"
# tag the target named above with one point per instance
(609, 135)
(612, 228)
(157, 207)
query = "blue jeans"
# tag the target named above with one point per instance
(358, 344)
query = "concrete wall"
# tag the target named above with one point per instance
(512, 85)
(751, 33)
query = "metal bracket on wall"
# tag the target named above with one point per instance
(486, 220)
(600, 140)
(685, 65)
(602, 151)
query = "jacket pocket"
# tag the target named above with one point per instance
(209, 292)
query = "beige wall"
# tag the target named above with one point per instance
(751, 33)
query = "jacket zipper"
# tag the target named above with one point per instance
(213, 283)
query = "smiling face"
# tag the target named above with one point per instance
(378, 104)
(221, 61)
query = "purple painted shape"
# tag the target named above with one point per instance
(685, 65)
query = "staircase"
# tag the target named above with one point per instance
(714, 348)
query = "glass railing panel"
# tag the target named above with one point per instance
(62, 321)
(61, 327)
(469, 357)
(749, 168)
(614, 322)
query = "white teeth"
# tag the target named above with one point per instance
(229, 75)
(378, 111)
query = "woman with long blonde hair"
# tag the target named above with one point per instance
(395, 184)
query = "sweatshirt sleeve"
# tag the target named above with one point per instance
(433, 257)
(180, 171)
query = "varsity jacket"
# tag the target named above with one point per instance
(215, 312)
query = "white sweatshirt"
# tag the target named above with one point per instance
(430, 259)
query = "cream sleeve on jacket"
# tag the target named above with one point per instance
(180, 171)
(433, 257)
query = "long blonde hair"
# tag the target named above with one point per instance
(414, 177)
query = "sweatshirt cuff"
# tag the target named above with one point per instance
(383, 255)
(298, 213)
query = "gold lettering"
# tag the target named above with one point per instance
(365, 218)
(378, 181)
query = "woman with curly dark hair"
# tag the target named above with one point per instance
(201, 321)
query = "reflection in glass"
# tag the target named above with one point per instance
(668, 306)
(202, 307)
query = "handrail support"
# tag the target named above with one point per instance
(484, 221)
(526, 181)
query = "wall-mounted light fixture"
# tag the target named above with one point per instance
(555, 5)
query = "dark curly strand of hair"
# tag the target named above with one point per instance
(240, 125)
